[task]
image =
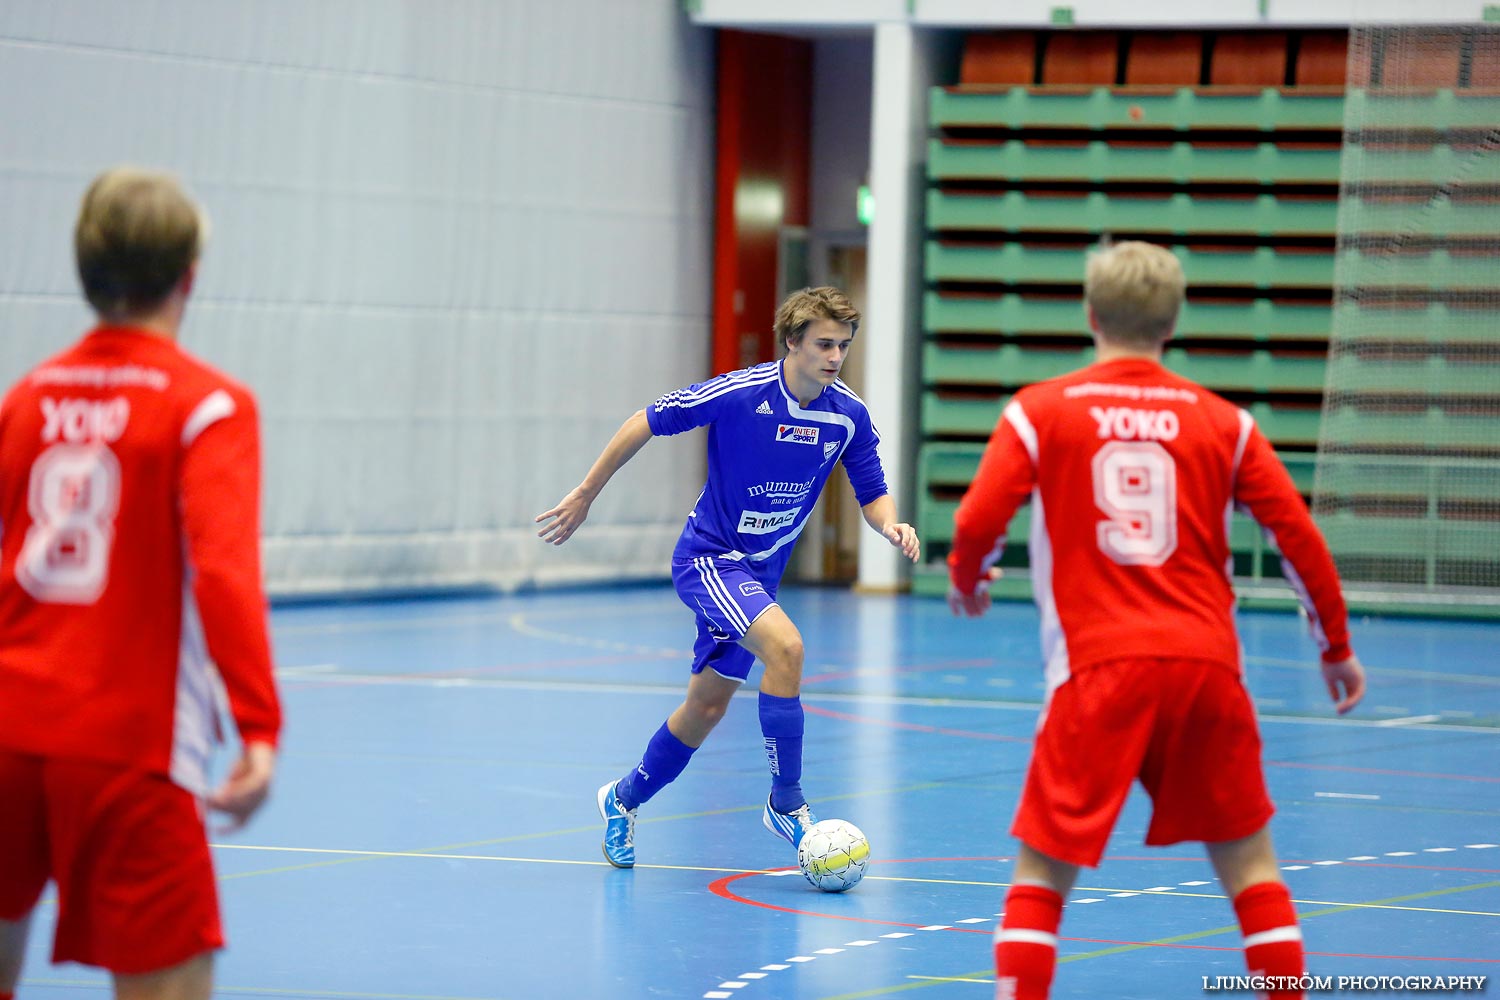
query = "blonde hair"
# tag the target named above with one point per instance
(808, 305)
(1135, 291)
(137, 235)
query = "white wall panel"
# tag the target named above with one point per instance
(454, 245)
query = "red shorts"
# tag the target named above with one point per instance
(135, 880)
(1185, 728)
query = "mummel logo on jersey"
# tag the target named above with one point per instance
(779, 493)
(1127, 423)
(758, 522)
(796, 435)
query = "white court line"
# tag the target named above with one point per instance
(311, 668)
(354, 679)
(1409, 720)
(502, 615)
(476, 857)
(440, 856)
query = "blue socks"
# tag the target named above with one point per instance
(781, 721)
(663, 761)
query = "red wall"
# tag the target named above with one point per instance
(764, 110)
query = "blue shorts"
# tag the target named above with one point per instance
(727, 596)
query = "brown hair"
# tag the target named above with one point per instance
(809, 304)
(1135, 290)
(138, 233)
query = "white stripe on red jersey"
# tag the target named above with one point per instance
(131, 606)
(1131, 471)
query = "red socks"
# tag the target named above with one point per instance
(1273, 941)
(1026, 943)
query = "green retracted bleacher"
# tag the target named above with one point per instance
(1253, 267)
(1027, 170)
(1138, 108)
(1230, 148)
(1018, 316)
(1210, 214)
(1132, 160)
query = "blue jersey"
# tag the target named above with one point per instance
(768, 458)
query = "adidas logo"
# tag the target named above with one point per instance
(764, 407)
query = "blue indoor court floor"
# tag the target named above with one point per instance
(433, 832)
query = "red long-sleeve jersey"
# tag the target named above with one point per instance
(131, 604)
(1132, 473)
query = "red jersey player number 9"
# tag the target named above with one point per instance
(1135, 485)
(73, 496)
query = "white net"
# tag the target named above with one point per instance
(1407, 487)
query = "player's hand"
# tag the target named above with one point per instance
(904, 537)
(1346, 682)
(975, 604)
(564, 519)
(246, 787)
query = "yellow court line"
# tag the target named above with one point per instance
(350, 854)
(922, 984)
(1381, 904)
(355, 856)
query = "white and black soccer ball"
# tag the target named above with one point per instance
(833, 855)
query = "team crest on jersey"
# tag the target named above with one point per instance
(829, 447)
(796, 435)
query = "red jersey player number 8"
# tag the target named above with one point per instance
(1135, 484)
(73, 496)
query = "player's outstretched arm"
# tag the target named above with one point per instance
(246, 787)
(880, 514)
(1346, 682)
(559, 523)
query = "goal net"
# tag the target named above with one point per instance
(1407, 483)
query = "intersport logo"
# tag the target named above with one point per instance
(796, 435)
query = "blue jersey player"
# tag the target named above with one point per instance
(775, 433)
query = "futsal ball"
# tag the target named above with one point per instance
(833, 855)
